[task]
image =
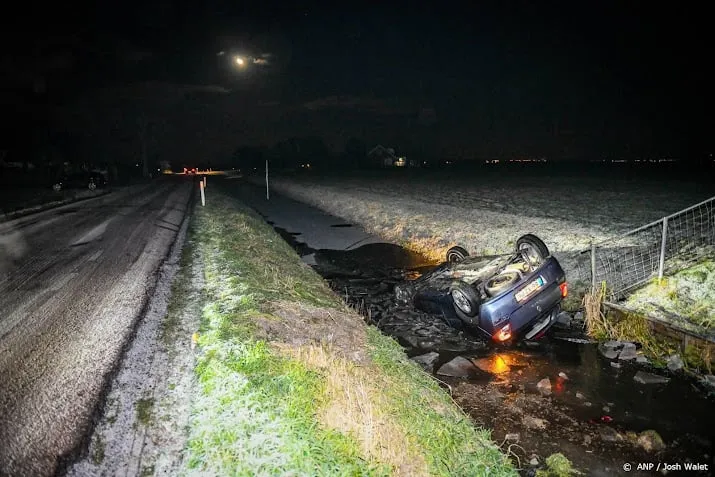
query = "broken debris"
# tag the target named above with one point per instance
(649, 378)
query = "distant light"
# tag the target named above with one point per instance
(240, 61)
(137, 165)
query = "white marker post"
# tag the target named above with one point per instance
(204, 182)
(268, 194)
(203, 196)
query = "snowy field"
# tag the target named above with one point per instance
(487, 214)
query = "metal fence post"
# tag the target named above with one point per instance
(593, 266)
(662, 248)
(268, 194)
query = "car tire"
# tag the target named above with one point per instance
(532, 248)
(456, 254)
(465, 299)
(57, 187)
(498, 283)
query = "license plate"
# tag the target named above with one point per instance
(529, 289)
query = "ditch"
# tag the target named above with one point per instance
(557, 395)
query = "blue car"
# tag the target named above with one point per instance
(504, 297)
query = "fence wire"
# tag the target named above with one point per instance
(666, 245)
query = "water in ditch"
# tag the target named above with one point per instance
(594, 411)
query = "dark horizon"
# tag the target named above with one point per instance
(480, 81)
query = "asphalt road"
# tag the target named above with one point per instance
(73, 283)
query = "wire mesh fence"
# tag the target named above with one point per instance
(634, 258)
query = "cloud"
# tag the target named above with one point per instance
(355, 103)
(208, 88)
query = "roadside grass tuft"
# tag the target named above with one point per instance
(145, 410)
(276, 397)
(575, 299)
(99, 449)
(597, 325)
(557, 465)
(147, 471)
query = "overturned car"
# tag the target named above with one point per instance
(505, 297)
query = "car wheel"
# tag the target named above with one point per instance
(465, 298)
(499, 283)
(57, 187)
(91, 185)
(532, 248)
(456, 254)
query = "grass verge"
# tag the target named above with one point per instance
(292, 382)
(634, 326)
(687, 296)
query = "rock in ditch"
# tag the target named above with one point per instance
(426, 361)
(564, 319)
(628, 352)
(532, 422)
(427, 345)
(492, 365)
(544, 386)
(459, 367)
(650, 441)
(649, 378)
(675, 363)
(610, 349)
(640, 359)
(412, 340)
(709, 380)
(608, 434)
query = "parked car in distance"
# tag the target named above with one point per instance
(503, 297)
(80, 180)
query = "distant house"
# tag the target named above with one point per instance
(385, 157)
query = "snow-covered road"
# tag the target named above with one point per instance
(73, 282)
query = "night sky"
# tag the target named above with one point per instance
(504, 79)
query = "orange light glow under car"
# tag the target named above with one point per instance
(503, 334)
(564, 289)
